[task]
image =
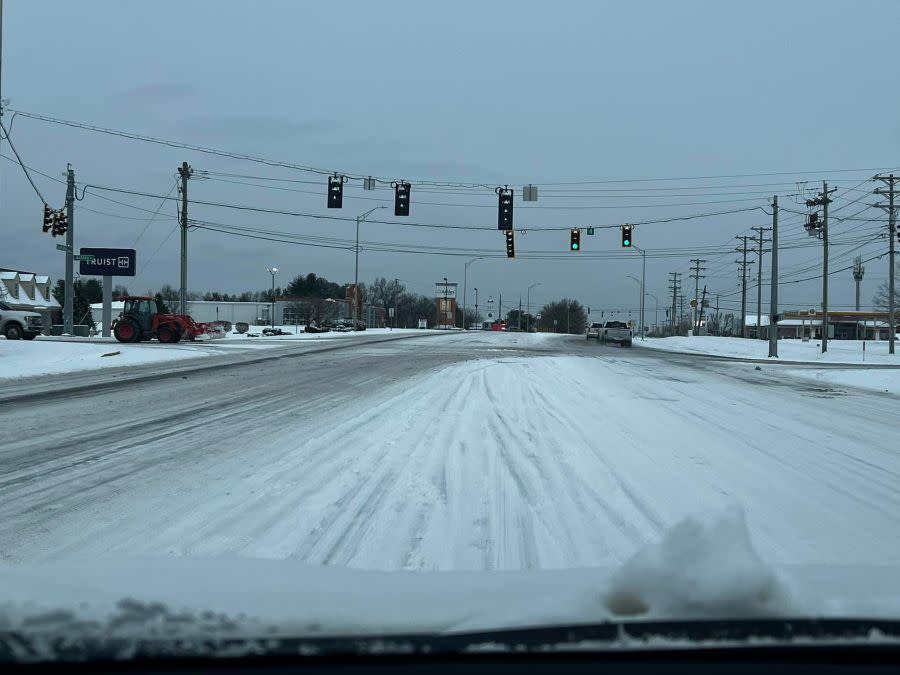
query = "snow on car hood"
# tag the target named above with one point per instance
(701, 568)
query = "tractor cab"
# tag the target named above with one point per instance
(140, 310)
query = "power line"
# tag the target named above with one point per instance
(359, 176)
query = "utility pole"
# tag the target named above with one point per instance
(822, 200)
(680, 311)
(185, 172)
(891, 182)
(743, 263)
(696, 276)
(718, 318)
(859, 271)
(675, 287)
(68, 307)
(773, 284)
(702, 305)
(760, 239)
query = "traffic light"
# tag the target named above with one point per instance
(48, 218)
(401, 198)
(504, 208)
(336, 191)
(575, 240)
(510, 244)
(626, 236)
(60, 223)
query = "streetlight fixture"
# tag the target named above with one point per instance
(528, 306)
(360, 219)
(476, 304)
(273, 271)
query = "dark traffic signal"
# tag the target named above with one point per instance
(336, 191)
(626, 236)
(575, 240)
(48, 218)
(60, 223)
(401, 198)
(510, 244)
(504, 209)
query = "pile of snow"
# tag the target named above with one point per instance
(697, 570)
(839, 351)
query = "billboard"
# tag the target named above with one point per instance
(113, 262)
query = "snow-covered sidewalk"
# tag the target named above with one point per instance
(849, 352)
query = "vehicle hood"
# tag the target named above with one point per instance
(699, 570)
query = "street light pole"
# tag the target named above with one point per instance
(656, 314)
(359, 219)
(643, 284)
(273, 271)
(465, 288)
(528, 306)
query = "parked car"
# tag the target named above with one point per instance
(16, 324)
(593, 330)
(616, 331)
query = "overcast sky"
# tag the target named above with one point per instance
(477, 92)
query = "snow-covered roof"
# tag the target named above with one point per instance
(41, 279)
(117, 305)
(800, 322)
(8, 275)
(23, 276)
(750, 320)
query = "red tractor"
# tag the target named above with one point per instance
(141, 320)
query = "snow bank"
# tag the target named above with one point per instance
(21, 358)
(698, 570)
(839, 351)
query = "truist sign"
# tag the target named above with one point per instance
(109, 262)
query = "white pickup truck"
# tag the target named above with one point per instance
(616, 331)
(16, 324)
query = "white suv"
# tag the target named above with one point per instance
(593, 330)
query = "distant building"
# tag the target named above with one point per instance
(842, 325)
(31, 292)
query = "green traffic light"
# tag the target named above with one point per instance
(627, 242)
(574, 246)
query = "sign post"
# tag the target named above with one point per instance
(107, 263)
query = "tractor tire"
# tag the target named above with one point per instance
(177, 337)
(13, 331)
(127, 331)
(165, 334)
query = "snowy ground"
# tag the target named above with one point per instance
(839, 351)
(464, 453)
(45, 355)
(24, 358)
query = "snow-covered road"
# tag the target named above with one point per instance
(458, 452)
